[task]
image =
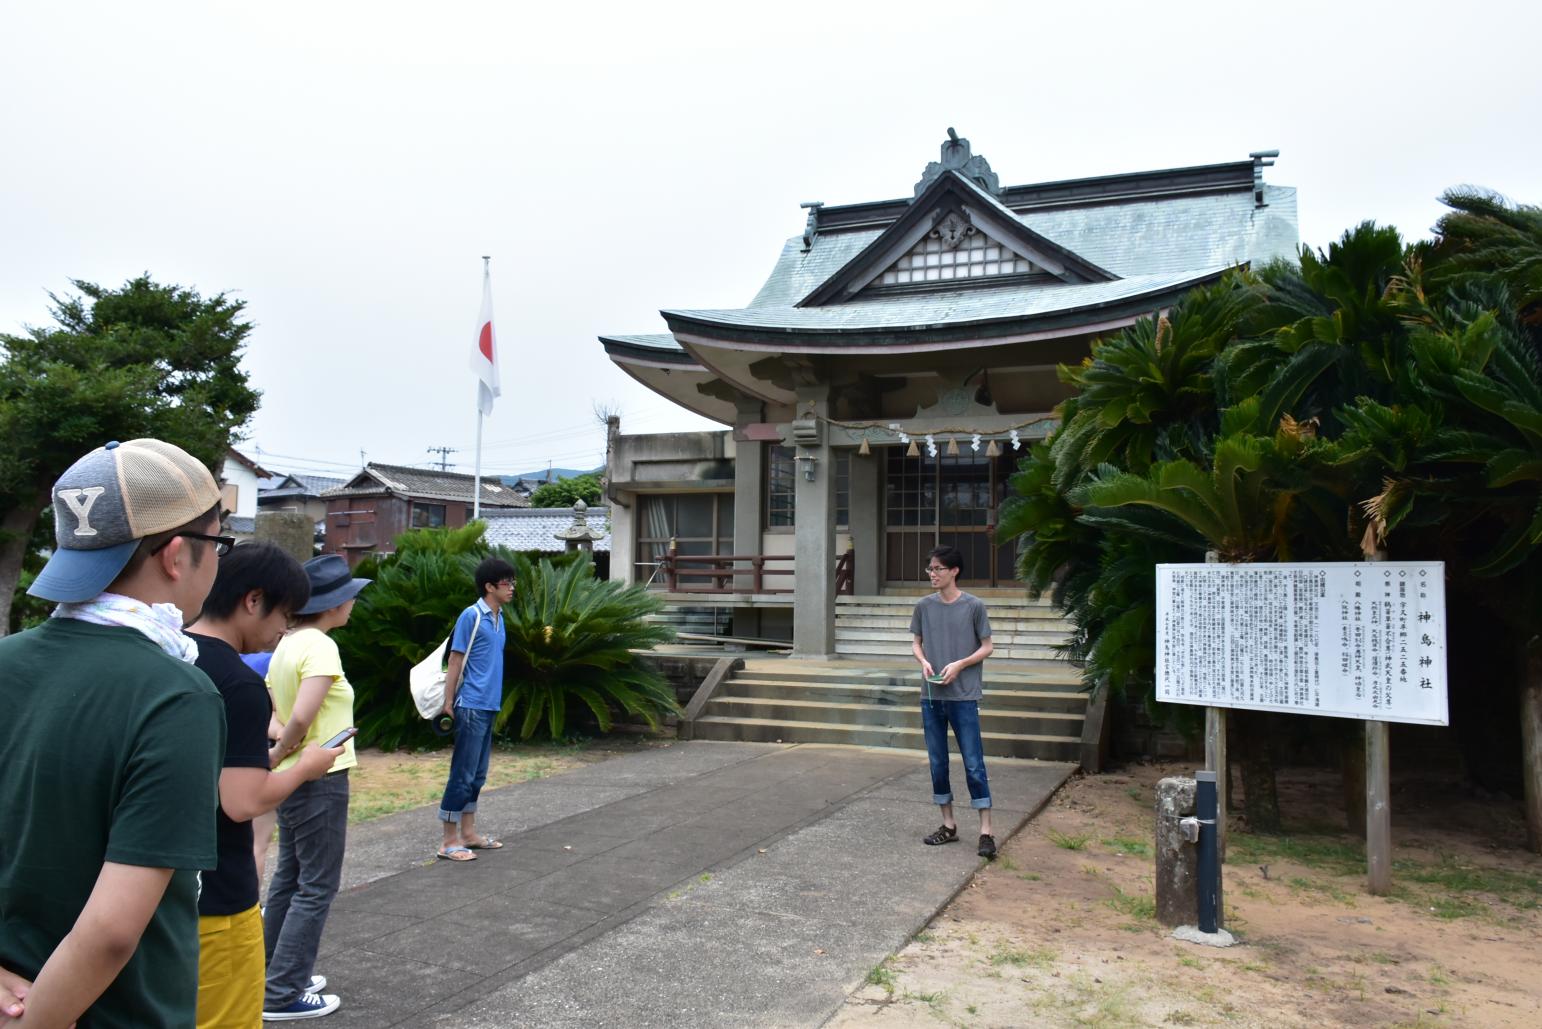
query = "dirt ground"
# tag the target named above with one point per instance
(1060, 931)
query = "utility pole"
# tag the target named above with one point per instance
(444, 456)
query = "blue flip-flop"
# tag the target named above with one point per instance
(449, 854)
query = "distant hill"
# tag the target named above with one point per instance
(539, 475)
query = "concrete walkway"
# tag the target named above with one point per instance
(702, 884)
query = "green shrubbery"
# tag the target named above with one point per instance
(584, 664)
(1374, 396)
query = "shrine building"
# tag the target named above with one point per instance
(883, 383)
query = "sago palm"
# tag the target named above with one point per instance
(574, 641)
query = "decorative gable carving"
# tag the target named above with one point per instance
(953, 217)
(955, 249)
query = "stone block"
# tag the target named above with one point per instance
(292, 531)
(1177, 893)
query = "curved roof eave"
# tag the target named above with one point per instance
(849, 328)
(657, 350)
(688, 397)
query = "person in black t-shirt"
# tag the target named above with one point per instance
(254, 595)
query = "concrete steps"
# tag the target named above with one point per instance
(870, 695)
(997, 744)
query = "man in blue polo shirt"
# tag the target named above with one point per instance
(473, 694)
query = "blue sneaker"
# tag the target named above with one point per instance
(309, 1005)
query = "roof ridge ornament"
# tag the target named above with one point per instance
(956, 156)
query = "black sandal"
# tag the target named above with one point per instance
(941, 836)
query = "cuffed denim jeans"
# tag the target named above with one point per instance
(312, 831)
(468, 762)
(964, 716)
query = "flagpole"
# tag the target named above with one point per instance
(476, 487)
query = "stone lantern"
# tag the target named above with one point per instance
(580, 535)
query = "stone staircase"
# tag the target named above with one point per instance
(1033, 707)
(1021, 629)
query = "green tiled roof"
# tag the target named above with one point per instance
(922, 311)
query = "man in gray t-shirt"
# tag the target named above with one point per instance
(950, 638)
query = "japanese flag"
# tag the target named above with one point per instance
(484, 354)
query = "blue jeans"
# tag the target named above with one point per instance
(964, 716)
(312, 831)
(468, 762)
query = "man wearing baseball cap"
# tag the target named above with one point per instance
(112, 742)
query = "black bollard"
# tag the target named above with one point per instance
(1208, 867)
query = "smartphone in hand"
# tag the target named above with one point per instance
(341, 738)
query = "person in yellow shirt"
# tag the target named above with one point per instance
(313, 699)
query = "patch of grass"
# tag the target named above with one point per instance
(1327, 853)
(1133, 905)
(1303, 885)
(882, 975)
(924, 936)
(1180, 1018)
(1449, 908)
(1188, 962)
(1032, 877)
(972, 1009)
(1067, 841)
(1128, 845)
(1018, 957)
(1135, 793)
(706, 877)
(1459, 877)
(1006, 863)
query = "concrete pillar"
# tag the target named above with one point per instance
(1177, 889)
(623, 538)
(813, 617)
(292, 531)
(749, 505)
(749, 499)
(866, 502)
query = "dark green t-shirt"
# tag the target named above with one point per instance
(111, 752)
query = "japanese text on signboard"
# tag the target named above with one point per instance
(1354, 640)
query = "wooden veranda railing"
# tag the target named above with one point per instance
(741, 573)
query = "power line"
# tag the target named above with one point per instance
(444, 456)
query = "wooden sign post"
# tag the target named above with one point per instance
(1362, 640)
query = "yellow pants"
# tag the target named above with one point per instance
(230, 971)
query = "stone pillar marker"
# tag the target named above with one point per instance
(1177, 888)
(813, 618)
(291, 531)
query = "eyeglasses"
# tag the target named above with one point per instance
(936, 569)
(505, 582)
(222, 544)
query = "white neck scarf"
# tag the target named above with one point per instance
(161, 622)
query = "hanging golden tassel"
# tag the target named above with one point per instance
(913, 450)
(864, 450)
(952, 447)
(991, 450)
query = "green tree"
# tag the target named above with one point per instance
(567, 492)
(142, 360)
(1369, 397)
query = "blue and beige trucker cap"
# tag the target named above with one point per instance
(108, 501)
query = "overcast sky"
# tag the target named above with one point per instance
(342, 167)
